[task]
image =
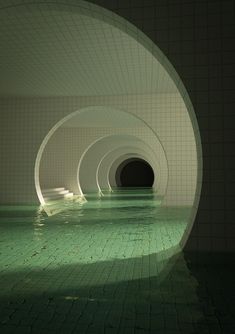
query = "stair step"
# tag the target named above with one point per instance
(55, 193)
(51, 195)
(58, 196)
(52, 190)
(68, 195)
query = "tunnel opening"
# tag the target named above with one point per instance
(134, 172)
(178, 180)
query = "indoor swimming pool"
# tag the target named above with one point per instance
(108, 265)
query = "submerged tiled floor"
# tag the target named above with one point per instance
(108, 266)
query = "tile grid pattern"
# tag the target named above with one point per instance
(62, 277)
(199, 39)
(62, 154)
(159, 111)
(38, 44)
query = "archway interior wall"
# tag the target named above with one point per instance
(165, 113)
(107, 179)
(64, 150)
(168, 117)
(31, 127)
(159, 185)
(90, 162)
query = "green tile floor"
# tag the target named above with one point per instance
(110, 265)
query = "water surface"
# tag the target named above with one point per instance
(110, 265)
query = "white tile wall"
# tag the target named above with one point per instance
(27, 121)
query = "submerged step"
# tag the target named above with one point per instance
(68, 195)
(55, 197)
(55, 193)
(44, 191)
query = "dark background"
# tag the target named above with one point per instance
(134, 172)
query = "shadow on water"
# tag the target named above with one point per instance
(215, 276)
(110, 269)
(120, 296)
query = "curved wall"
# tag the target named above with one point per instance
(170, 114)
(159, 185)
(166, 113)
(62, 153)
(106, 177)
(180, 150)
(90, 161)
(198, 39)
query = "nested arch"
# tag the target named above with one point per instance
(160, 182)
(95, 113)
(90, 161)
(106, 169)
(102, 173)
(185, 164)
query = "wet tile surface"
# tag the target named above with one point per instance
(108, 266)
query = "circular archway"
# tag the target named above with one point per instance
(82, 169)
(97, 60)
(112, 159)
(163, 103)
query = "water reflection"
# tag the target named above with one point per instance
(104, 265)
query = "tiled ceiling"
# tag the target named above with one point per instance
(50, 52)
(104, 117)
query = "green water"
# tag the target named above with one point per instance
(122, 225)
(110, 265)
